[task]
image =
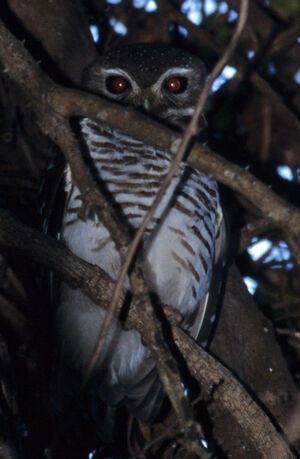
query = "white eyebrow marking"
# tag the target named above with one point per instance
(114, 71)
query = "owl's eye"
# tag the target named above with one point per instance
(117, 84)
(176, 85)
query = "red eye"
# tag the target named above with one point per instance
(117, 85)
(176, 84)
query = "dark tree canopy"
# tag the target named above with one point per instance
(246, 383)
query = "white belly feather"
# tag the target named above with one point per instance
(177, 257)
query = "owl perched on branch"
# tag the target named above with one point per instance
(181, 246)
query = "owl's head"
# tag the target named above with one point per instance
(163, 80)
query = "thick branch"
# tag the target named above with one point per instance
(96, 284)
(257, 428)
(37, 90)
(56, 126)
(50, 103)
(159, 349)
(190, 131)
(22, 69)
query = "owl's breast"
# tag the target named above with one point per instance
(179, 240)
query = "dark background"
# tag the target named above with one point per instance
(252, 120)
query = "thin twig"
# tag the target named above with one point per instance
(63, 103)
(190, 131)
(52, 254)
(120, 118)
(166, 365)
(68, 102)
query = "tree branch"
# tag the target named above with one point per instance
(179, 153)
(59, 102)
(56, 102)
(21, 68)
(214, 378)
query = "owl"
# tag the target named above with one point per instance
(183, 242)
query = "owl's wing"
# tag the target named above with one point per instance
(149, 385)
(202, 320)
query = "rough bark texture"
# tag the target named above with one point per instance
(244, 339)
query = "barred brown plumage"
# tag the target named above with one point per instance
(181, 244)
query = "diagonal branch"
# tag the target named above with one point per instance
(158, 347)
(37, 91)
(230, 395)
(21, 68)
(57, 104)
(42, 95)
(181, 151)
(48, 104)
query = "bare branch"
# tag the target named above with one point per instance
(138, 286)
(22, 69)
(54, 124)
(97, 285)
(63, 102)
(39, 88)
(182, 147)
(269, 443)
(52, 95)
